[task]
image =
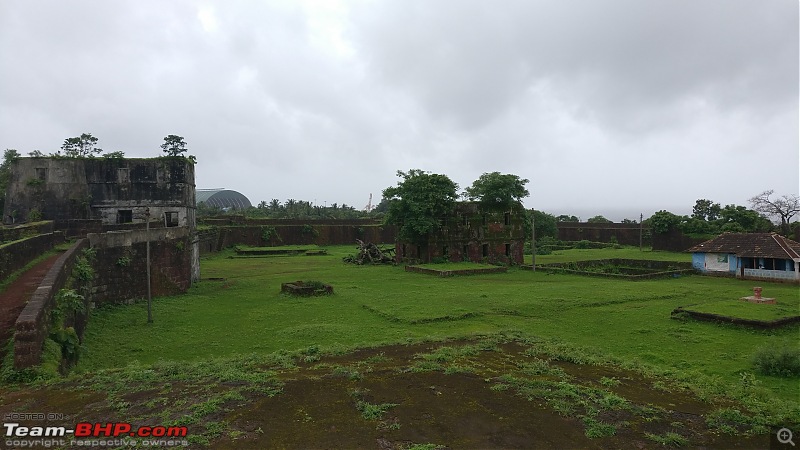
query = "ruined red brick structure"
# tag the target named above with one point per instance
(471, 233)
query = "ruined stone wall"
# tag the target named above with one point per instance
(32, 323)
(470, 234)
(16, 255)
(623, 233)
(121, 264)
(109, 189)
(674, 241)
(303, 234)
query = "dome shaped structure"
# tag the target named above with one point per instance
(222, 198)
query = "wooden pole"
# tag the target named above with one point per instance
(641, 217)
(533, 241)
(147, 239)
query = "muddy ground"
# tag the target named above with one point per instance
(486, 393)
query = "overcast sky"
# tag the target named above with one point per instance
(609, 107)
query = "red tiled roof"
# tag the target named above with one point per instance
(751, 245)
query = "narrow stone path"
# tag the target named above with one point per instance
(14, 298)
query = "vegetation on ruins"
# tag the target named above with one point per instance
(81, 146)
(497, 191)
(9, 155)
(418, 202)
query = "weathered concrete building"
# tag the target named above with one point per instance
(113, 190)
(472, 234)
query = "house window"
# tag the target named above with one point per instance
(41, 173)
(485, 250)
(171, 219)
(722, 258)
(124, 216)
(123, 176)
(507, 218)
(508, 249)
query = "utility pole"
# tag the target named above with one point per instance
(533, 240)
(147, 240)
(641, 218)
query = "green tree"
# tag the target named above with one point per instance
(546, 225)
(418, 202)
(497, 191)
(82, 146)
(598, 219)
(784, 207)
(174, 145)
(9, 156)
(735, 218)
(706, 210)
(663, 221)
(566, 218)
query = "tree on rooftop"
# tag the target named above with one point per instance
(418, 202)
(497, 191)
(174, 145)
(82, 146)
(784, 207)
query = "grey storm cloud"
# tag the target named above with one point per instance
(609, 107)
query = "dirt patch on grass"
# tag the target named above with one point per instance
(483, 393)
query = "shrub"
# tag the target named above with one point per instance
(779, 360)
(582, 244)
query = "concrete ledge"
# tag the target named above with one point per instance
(710, 317)
(451, 273)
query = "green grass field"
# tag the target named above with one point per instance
(629, 321)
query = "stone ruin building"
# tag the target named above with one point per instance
(471, 233)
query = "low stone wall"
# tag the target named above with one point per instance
(710, 317)
(16, 255)
(32, 323)
(121, 264)
(661, 268)
(779, 276)
(14, 233)
(451, 273)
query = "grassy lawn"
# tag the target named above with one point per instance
(630, 321)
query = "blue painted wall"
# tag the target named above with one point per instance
(699, 261)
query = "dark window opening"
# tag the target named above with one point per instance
(507, 218)
(485, 219)
(485, 249)
(466, 252)
(463, 219)
(124, 216)
(508, 249)
(171, 219)
(419, 251)
(41, 173)
(403, 250)
(445, 251)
